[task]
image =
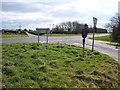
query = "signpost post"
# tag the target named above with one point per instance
(83, 47)
(47, 36)
(94, 28)
(84, 35)
(38, 37)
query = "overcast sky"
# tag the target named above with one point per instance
(32, 14)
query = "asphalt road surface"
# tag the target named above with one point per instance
(100, 46)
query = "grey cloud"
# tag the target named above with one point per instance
(27, 7)
(69, 13)
(19, 7)
(45, 1)
(15, 24)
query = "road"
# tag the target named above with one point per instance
(100, 46)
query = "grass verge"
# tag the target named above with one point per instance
(103, 38)
(33, 65)
(13, 36)
(62, 35)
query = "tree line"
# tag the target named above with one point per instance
(74, 28)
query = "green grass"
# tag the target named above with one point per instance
(68, 34)
(13, 36)
(33, 65)
(103, 38)
(63, 34)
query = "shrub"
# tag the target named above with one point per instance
(8, 71)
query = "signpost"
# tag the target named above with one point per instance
(94, 28)
(43, 31)
(84, 35)
(38, 37)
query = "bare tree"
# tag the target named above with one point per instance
(114, 25)
(70, 27)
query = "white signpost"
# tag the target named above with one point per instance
(43, 31)
(94, 28)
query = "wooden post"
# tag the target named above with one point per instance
(38, 37)
(93, 40)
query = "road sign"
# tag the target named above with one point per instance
(85, 31)
(84, 35)
(95, 23)
(43, 31)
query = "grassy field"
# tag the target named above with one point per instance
(103, 38)
(33, 65)
(12, 36)
(108, 39)
(63, 34)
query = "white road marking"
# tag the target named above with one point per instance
(76, 43)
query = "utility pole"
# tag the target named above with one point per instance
(53, 25)
(20, 26)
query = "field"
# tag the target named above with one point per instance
(108, 39)
(62, 34)
(13, 34)
(33, 65)
(103, 38)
